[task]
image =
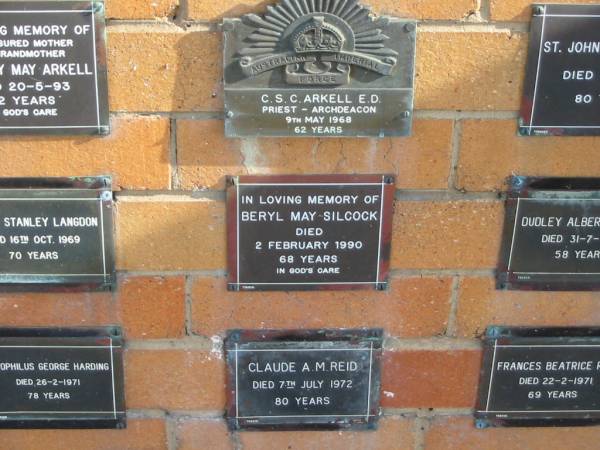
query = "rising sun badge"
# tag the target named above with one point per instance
(316, 42)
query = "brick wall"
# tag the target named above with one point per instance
(168, 157)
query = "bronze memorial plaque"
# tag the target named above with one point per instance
(53, 67)
(551, 235)
(56, 231)
(303, 379)
(326, 68)
(300, 232)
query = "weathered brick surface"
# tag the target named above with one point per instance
(202, 434)
(420, 162)
(57, 309)
(445, 235)
(520, 10)
(171, 235)
(393, 433)
(426, 9)
(459, 433)
(174, 379)
(216, 11)
(140, 434)
(418, 9)
(161, 68)
(430, 378)
(166, 100)
(136, 154)
(491, 151)
(469, 70)
(140, 9)
(147, 307)
(153, 307)
(480, 305)
(399, 310)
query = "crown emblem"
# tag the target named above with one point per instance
(318, 43)
(318, 36)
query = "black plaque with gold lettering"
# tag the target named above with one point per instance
(56, 231)
(53, 67)
(562, 83)
(61, 378)
(539, 376)
(551, 235)
(292, 379)
(327, 69)
(309, 232)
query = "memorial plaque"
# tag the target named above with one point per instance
(53, 68)
(547, 376)
(551, 235)
(295, 379)
(562, 82)
(61, 378)
(320, 68)
(309, 232)
(56, 232)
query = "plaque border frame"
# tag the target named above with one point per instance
(388, 187)
(524, 188)
(485, 418)
(61, 282)
(540, 12)
(116, 345)
(341, 422)
(98, 27)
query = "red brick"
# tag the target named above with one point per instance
(459, 433)
(153, 307)
(425, 9)
(140, 9)
(446, 235)
(481, 305)
(469, 70)
(419, 9)
(170, 234)
(430, 378)
(420, 162)
(399, 310)
(140, 434)
(393, 433)
(203, 434)
(174, 379)
(118, 154)
(57, 309)
(162, 68)
(491, 151)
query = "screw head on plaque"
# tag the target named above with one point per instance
(327, 68)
